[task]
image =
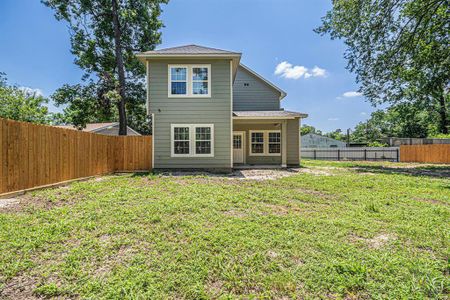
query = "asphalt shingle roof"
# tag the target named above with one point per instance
(269, 113)
(190, 49)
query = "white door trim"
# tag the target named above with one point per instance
(242, 133)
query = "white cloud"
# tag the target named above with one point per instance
(351, 94)
(289, 71)
(319, 72)
(28, 90)
(363, 113)
(333, 119)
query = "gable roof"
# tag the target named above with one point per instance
(94, 127)
(282, 93)
(315, 135)
(190, 50)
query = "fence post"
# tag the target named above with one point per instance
(339, 154)
(398, 155)
(365, 154)
(315, 154)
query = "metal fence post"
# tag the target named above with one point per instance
(398, 154)
(365, 154)
(315, 155)
(339, 154)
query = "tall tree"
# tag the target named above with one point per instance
(399, 49)
(105, 34)
(21, 104)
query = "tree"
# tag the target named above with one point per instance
(337, 135)
(305, 129)
(105, 34)
(401, 120)
(22, 105)
(399, 50)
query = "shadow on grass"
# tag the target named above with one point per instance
(428, 171)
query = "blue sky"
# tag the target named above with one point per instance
(35, 50)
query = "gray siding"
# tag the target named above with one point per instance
(215, 110)
(257, 96)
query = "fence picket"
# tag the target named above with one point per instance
(34, 155)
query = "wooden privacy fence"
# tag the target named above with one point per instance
(36, 155)
(425, 153)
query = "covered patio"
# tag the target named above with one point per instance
(266, 139)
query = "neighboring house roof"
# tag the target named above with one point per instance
(94, 127)
(321, 137)
(270, 114)
(282, 93)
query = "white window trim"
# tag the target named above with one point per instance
(266, 143)
(192, 140)
(189, 81)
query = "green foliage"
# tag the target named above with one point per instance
(399, 50)
(105, 50)
(376, 144)
(440, 136)
(362, 231)
(305, 129)
(22, 105)
(400, 120)
(337, 135)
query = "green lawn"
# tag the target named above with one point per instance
(334, 230)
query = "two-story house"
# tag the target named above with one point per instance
(211, 112)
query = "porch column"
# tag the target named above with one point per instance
(283, 144)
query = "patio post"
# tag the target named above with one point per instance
(283, 144)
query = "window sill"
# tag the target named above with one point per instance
(188, 96)
(264, 154)
(192, 155)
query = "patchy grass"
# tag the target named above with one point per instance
(334, 230)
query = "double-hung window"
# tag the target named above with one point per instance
(192, 140)
(265, 142)
(189, 81)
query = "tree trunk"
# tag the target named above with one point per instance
(120, 69)
(443, 124)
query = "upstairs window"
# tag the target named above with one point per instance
(178, 81)
(189, 81)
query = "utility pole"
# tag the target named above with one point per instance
(348, 137)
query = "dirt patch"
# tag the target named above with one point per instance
(440, 171)
(376, 242)
(20, 287)
(432, 201)
(272, 254)
(235, 213)
(380, 240)
(32, 202)
(8, 202)
(318, 171)
(264, 174)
